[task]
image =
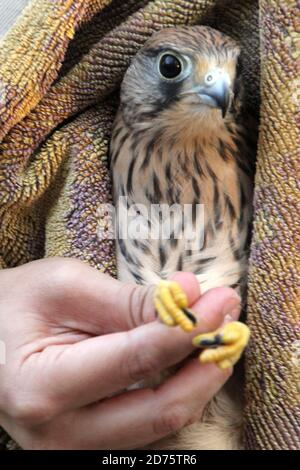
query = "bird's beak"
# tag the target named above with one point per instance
(218, 94)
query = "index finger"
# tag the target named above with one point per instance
(140, 417)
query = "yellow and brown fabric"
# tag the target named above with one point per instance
(60, 69)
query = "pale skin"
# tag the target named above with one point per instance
(75, 337)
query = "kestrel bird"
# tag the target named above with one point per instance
(180, 141)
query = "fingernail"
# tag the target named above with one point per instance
(232, 307)
(228, 318)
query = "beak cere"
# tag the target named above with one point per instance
(217, 95)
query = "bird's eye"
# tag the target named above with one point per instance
(170, 66)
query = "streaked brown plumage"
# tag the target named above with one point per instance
(171, 144)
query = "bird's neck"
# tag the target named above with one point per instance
(189, 147)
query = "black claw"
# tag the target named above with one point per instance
(190, 315)
(216, 341)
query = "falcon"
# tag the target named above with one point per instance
(182, 168)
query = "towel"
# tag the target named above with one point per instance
(272, 413)
(60, 69)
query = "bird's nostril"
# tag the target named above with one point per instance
(213, 76)
(210, 78)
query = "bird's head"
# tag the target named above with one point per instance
(184, 73)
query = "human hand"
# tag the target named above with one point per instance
(75, 337)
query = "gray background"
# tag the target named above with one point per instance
(9, 11)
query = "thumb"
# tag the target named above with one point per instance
(96, 303)
(112, 306)
(135, 302)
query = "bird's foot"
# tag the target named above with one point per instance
(223, 346)
(226, 344)
(171, 305)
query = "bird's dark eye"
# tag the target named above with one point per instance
(169, 66)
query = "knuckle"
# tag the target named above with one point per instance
(64, 271)
(64, 267)
(142, 363)
(30, 412)
(171, 419)
(139, 303)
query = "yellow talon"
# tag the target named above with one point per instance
(179, 296)
(163, 312)
(171, 305)
(228, 343)
(223, 346)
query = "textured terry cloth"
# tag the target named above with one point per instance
(273, 358)
(59, 68)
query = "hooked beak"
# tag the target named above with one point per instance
(217, 95)
(218, 99)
